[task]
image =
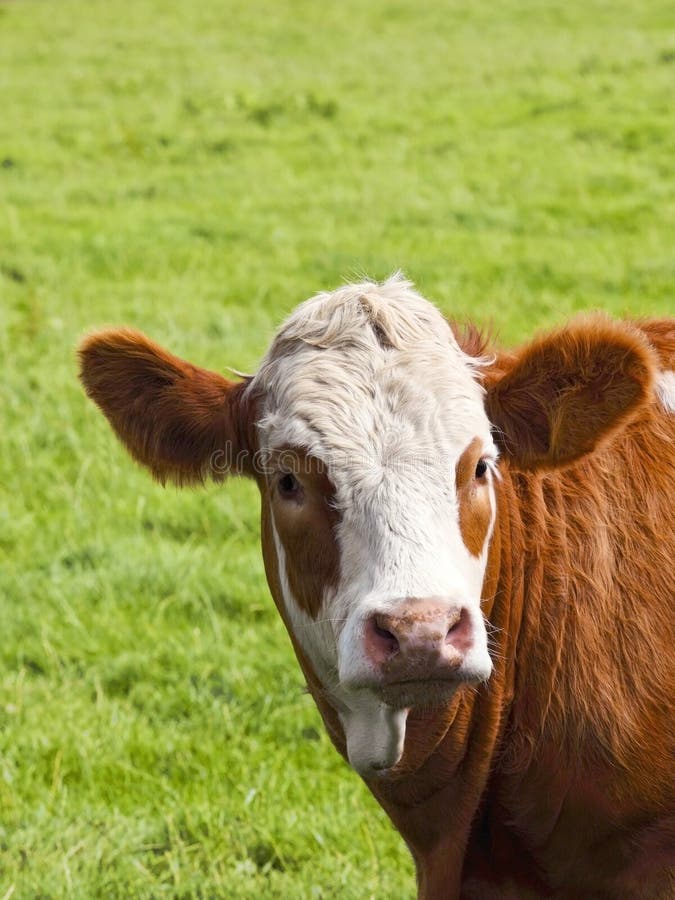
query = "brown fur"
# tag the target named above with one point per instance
(473, 341)
(473, 498)
(565, 393)
(307, 531)
(556, 778)
(182, 422)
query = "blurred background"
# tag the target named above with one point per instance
(195, 170)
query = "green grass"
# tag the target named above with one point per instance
(196, 170)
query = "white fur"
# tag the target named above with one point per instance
(370, 379)
(665, 390)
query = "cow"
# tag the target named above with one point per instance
(472, 551)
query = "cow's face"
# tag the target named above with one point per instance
(377, 467)
(367, 432)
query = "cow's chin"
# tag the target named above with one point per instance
(423, 694)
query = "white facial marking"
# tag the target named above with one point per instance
(370, 380)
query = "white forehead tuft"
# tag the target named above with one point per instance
(377, 358)
(340, 318)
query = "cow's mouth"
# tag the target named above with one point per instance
(418, 693)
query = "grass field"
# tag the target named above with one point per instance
(195, 170)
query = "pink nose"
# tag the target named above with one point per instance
(419, 639)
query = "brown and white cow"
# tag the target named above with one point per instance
(473, 555)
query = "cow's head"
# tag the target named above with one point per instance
(375, 441)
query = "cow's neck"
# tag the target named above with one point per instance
(562, 774)
(540, 590)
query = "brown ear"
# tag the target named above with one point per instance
(182, 422)
(566, 393)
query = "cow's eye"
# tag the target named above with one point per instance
(289, 485)
(481, 469)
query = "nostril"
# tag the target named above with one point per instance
(459, 635)
(455, 624)
(386, 636)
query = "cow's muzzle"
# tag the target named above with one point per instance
(422, 642)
